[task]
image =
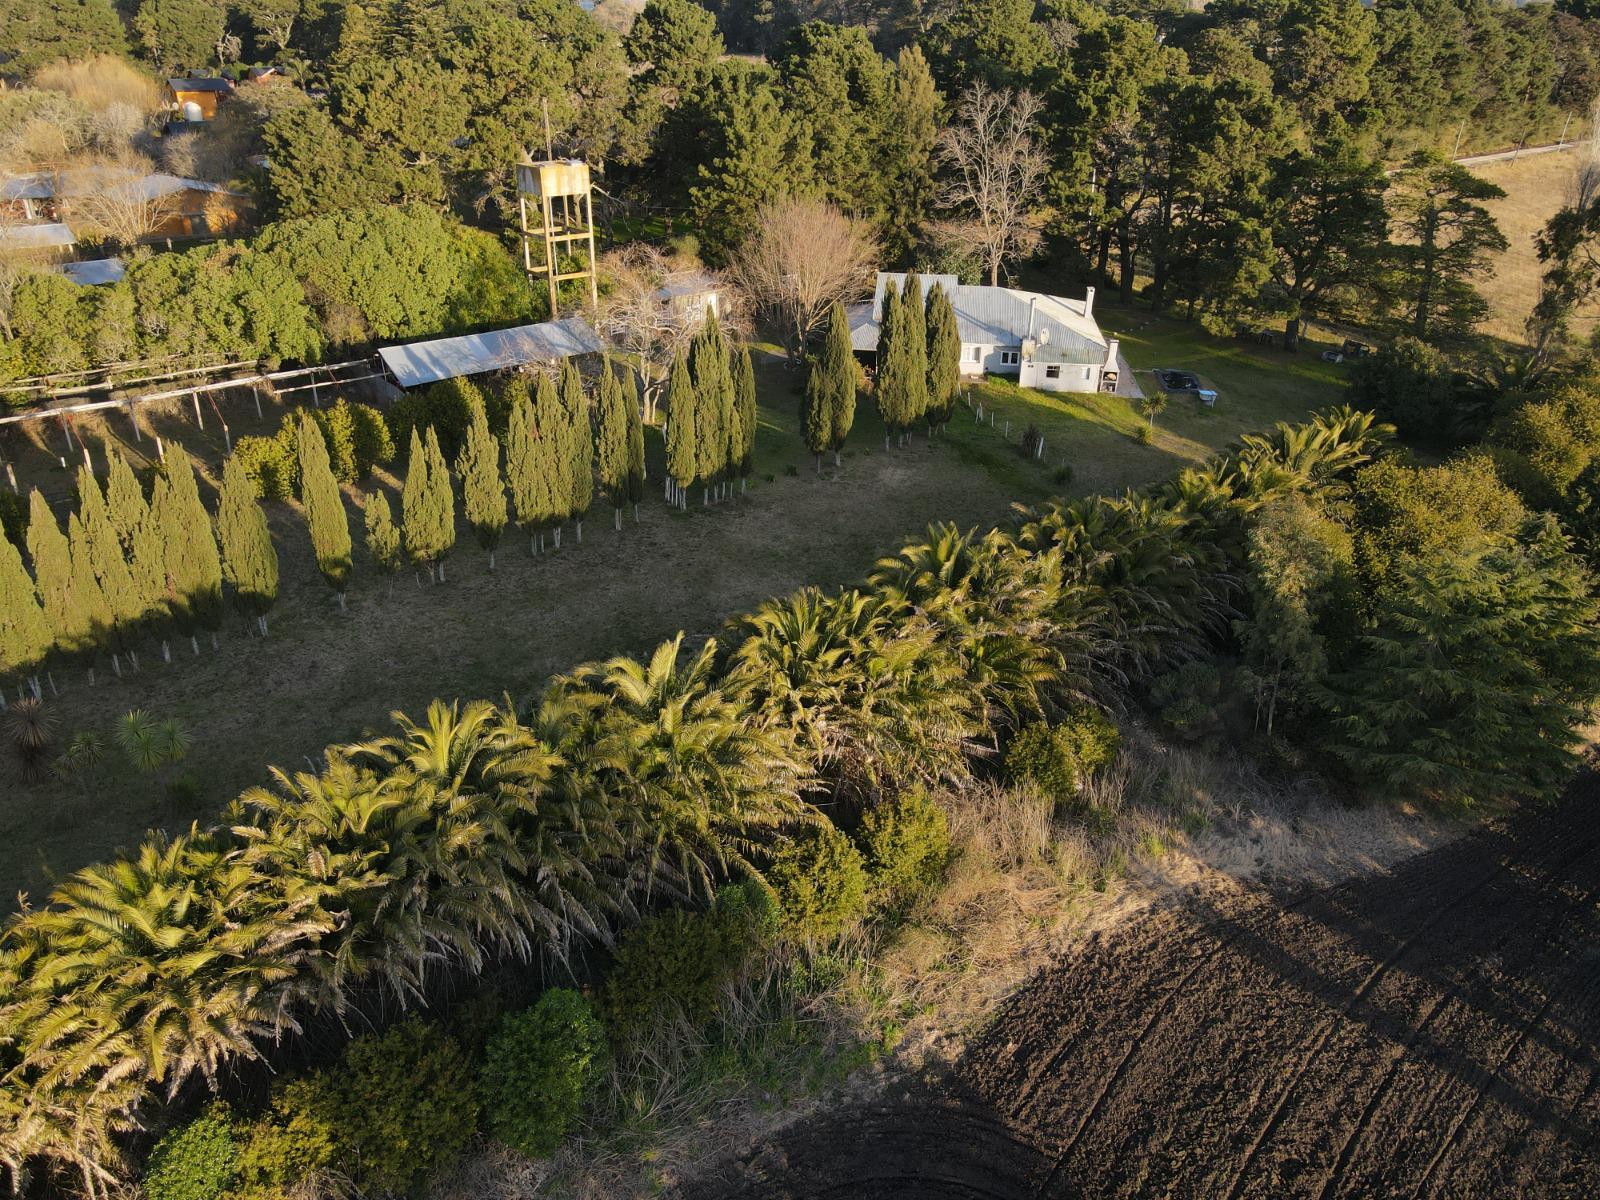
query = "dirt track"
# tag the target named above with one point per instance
(1432, 1032)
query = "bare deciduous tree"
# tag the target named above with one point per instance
(996, 176)
(804, 256)
(119, 201)
(639, 316)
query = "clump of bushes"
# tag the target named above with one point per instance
(905, 842)
(271, 463)
(539, 1068)
(446, 408)
(1057, 759)
(194, 1162)
(820, 882)
(680, 961)
(1187, 699)
(358, 439)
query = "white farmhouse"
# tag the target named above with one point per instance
(1047, 342)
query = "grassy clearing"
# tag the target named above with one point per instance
(326, 676)
(1536, 188)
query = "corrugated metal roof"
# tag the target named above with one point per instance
(692, 284)
(27, 187)
(208, 84)
(94, 272)
(36, 237)
(996, 316)
(83, 180)
(479, 353)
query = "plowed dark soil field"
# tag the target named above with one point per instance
(1430, 1032)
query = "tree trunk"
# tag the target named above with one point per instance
(51, 676)
(616, 519)
(836, 458)
(635, 514)
(116, 665)
(340, 595)
(194, 645)
(1291, 334)
(556, 533)
(579, 525)
(1125, 267)
(491, 561)
(819, 466)
(441, 570)
(166, 651)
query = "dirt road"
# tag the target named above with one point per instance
(1432, 1032)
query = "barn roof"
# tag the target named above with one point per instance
(80, 181)
(479, 353)
(208, 84)
(94, 272)
(995, 316)
(36, 237)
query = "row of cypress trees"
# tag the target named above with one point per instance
(919, 358)
(130, 568)
(711, 417)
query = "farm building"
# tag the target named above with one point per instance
(196, 99)
(690, 296)
(1047, 342)
(420, 363)
(44, 242)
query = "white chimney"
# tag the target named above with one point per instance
(1088, 302)
(1033, 306)
(1112, 346)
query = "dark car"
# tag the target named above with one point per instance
(1179, 381)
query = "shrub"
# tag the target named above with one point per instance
(373, 444)
(1091, 737)
(445, 407)
(820, 882)
(1057, 759)
(195, 1162)
(291, 1143)
(678, 963)
(1143, 434)
(270, 463)
(14, 517)
(1187, 699)
(539, 1068)
(339, 434)
(906, 843)
(405, 1105)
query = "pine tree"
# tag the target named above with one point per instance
(127, 607)
(744, 398)
(249, 560)
(635, 417)
(193, 560)
(944, 357)
(579, 445)
(891, 367)
(612, 441)
(24, 634)
(680, 430)
(482, 489)
(915, 316)
(831, 390)
(325, 514)
(383, 539)
(713, 389)
(52, 568)
(553, 425)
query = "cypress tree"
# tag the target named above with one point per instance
(612, 442)
(194, 563)
(414, 499)
(891, 369)
(831, 390)
(122, 596)
(153, 561)
(634, 414)
(744, 398)
(680, 430)
(816, 417)
(52, 568)
(713, 388)
(24, 634)
(95, 620)
(552, 425)
(249, 560)
(324, 505)
(944, 357)
(383, 539)
(915, 316)
(125, 500)
(579, 445)
(483, 492)
(522, 458)
(428, 508)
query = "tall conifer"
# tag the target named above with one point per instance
(553, 426)
(95, 621)
(831, 390)
(522, 458)
(324, 505)
(122, 596)
(635, 416)
(744, 397)
(680, 429)
(52, 568)
(579, 445)
(383, 538)
(427, 507)
(152, 565)
(611, 441)
(194, 562)
(915, 316)
(713, 387)
(483, 491)
(126, 501)
(944, 357)
(24, 635)
(249, 560)
(891, 368)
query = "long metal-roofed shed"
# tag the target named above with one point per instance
(421, 363)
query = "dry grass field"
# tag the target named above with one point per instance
(326, 676)
(1536, 188)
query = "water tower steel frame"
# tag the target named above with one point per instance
(540, 185)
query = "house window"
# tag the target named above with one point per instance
(977, 354)
(1009, 358)
(1052, 372)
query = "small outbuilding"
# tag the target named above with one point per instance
(420, 363)
(94, 272)
(1048, 342)
(196, 99)
(49, 241)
